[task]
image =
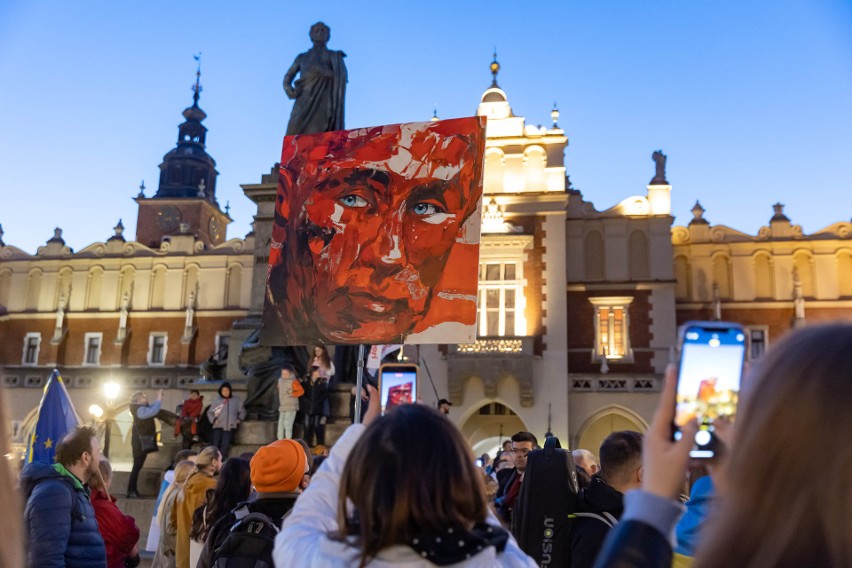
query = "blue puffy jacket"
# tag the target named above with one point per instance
(61, 527)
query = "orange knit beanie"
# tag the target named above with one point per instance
(278, 467)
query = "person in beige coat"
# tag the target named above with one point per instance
(165, 555)
(194, 494)
(289, 391)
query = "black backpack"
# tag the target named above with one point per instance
(204, 427)
(540, 520)
(249, 542)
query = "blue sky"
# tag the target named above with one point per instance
(751, 101)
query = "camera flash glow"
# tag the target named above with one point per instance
(714, 342)
(702, 437)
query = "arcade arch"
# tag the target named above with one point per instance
(604, 422)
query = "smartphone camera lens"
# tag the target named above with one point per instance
(702, 437)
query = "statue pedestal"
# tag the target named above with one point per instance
(255, 433)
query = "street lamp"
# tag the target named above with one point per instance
(111, 390)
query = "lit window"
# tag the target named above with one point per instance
(757, 340)
(93, 349)
(612, 327)
(157, 348)
(32, 343)
(501, 299)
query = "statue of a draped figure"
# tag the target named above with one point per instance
(320, 89)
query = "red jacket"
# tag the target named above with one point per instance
(118, 530)
(190, 409)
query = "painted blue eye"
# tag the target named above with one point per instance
(353, 201)
(424, 209)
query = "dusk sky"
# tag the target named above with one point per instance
(751, 101)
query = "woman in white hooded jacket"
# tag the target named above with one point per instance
(399, 490)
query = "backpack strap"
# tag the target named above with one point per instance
(241, 512)
(606, 518)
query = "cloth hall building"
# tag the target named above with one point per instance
(578, 306)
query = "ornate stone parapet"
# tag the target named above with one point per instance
(492, 359)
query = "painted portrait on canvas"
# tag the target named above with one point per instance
(376, 236)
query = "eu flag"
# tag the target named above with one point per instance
(56, 417)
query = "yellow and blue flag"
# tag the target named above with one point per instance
(56, 417)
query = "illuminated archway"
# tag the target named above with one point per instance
(601, 424)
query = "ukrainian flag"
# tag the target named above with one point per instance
(56, 417)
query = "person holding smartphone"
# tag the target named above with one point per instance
(373, 501)
(772, 511)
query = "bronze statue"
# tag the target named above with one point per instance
(660, 160)
(320, 89)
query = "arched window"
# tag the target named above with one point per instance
(95, 283)
(683, 278)
(804, 268)
(844, 275)
(65, 276)
(594, 256)
(493, 171)
(190, 284)
(158, 287)
(5, 287)
(235, 278)
(535, 160)
(722, 276)
(34, 289)
(128, 275)
(764, 280)
(639, 262)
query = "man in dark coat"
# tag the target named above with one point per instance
(522, 444)
(602, 502)
(143, 433)
(61, 528)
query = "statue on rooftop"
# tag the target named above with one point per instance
(320, 90)
(660, 161)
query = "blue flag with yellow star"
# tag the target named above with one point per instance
(56, 417)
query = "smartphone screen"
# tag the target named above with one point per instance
(398, 384)
(711, 364)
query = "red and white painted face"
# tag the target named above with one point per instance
(373, 221)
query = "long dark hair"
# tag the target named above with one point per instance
(783, 487)
(411, 473)
(324, 358)
(233, 486)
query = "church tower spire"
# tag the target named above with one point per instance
(185, 201)
(188, 170)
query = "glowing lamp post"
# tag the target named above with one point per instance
(111, 390)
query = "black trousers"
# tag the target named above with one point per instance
(222, 440)
(313, 424)
(138, 462)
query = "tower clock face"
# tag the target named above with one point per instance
(213, 229)
(168, 218)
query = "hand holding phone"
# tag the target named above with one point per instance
(397, 385)
(709, 378)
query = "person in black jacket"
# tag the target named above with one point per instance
(60, 521)
(312, 406)
(522, 444)
(278, 475)
(601, 503)
(143, 433)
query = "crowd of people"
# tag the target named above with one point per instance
(404, 489)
